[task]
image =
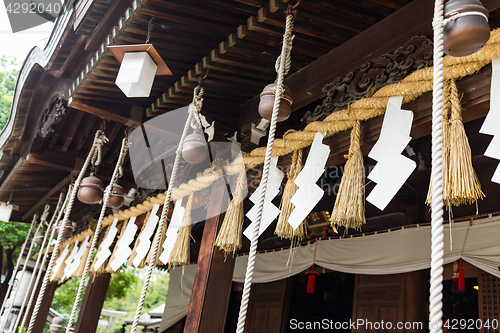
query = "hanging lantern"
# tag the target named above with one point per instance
(90, 191)
(38, 239)
(139, 65)
(116, 197)
(466, 28)
(194, 148)
(267, 103)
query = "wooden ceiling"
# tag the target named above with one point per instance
(237, 41)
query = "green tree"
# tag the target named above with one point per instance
(12, 236)
(9, 70)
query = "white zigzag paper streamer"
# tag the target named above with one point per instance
(77, 258)
(145, 236)
(492, 120)
(104, 253)
(392, 169)
(69, 260)
(308, 193)
(270, 211)
(172, 231)
(59, 262)
(123, 250)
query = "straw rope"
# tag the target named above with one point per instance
(180, 252)
(412, 87)
(97, 144)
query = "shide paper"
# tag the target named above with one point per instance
(392, 169)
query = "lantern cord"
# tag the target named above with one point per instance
(88, 262)
(13, 297)
(11, 282)
(98, 140)
(150, 29)
(57, 213)
(437, 230)
(284, 64)
(193, 111)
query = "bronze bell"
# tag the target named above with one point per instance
(38, 239)
(266, 103)
(116, 197)
(91, 189)
(68, 229)
(466, 34)
(194, 148)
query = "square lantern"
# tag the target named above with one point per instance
(5, 211)
(139, 65)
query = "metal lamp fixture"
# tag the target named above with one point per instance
(139, 65)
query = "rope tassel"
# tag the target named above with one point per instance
(460, 182)
(229, 237)
(283, 228)
(349, 209)
(180, 252)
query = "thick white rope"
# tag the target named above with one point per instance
(285, 55)
(7, 313)
(11, 282)
(437, 234)
(98, 142)
(88, 262)
(39, 274)
(43, 221)
(194, 109)
(45, 256)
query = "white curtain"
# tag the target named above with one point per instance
(392, 252)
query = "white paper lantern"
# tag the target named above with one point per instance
(5, 211)
(136, 75)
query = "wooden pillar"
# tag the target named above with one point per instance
(214, 273)
(93, 300)
(44, 308)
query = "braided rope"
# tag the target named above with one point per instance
(194, 109)
(71, 200)
(88, 262)
(437, 242)
(59, 208)
(43, 221)
(11, 282)
(35, 217)
(285, 54)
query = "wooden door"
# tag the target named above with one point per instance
(268, 307)
(489, 301)
(377, 298)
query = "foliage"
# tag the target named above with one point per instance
(9, 70)
(13, 234)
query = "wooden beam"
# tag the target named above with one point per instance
(92, 302)
(385, 36)
(130, 115)
(214, 273)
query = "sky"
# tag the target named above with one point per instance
(20, 43)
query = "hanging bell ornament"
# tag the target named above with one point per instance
(68, 229)
(466, 27)
(90, 191)
(266, 103)
(194, 148)
(116, 197)
(38, 239)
